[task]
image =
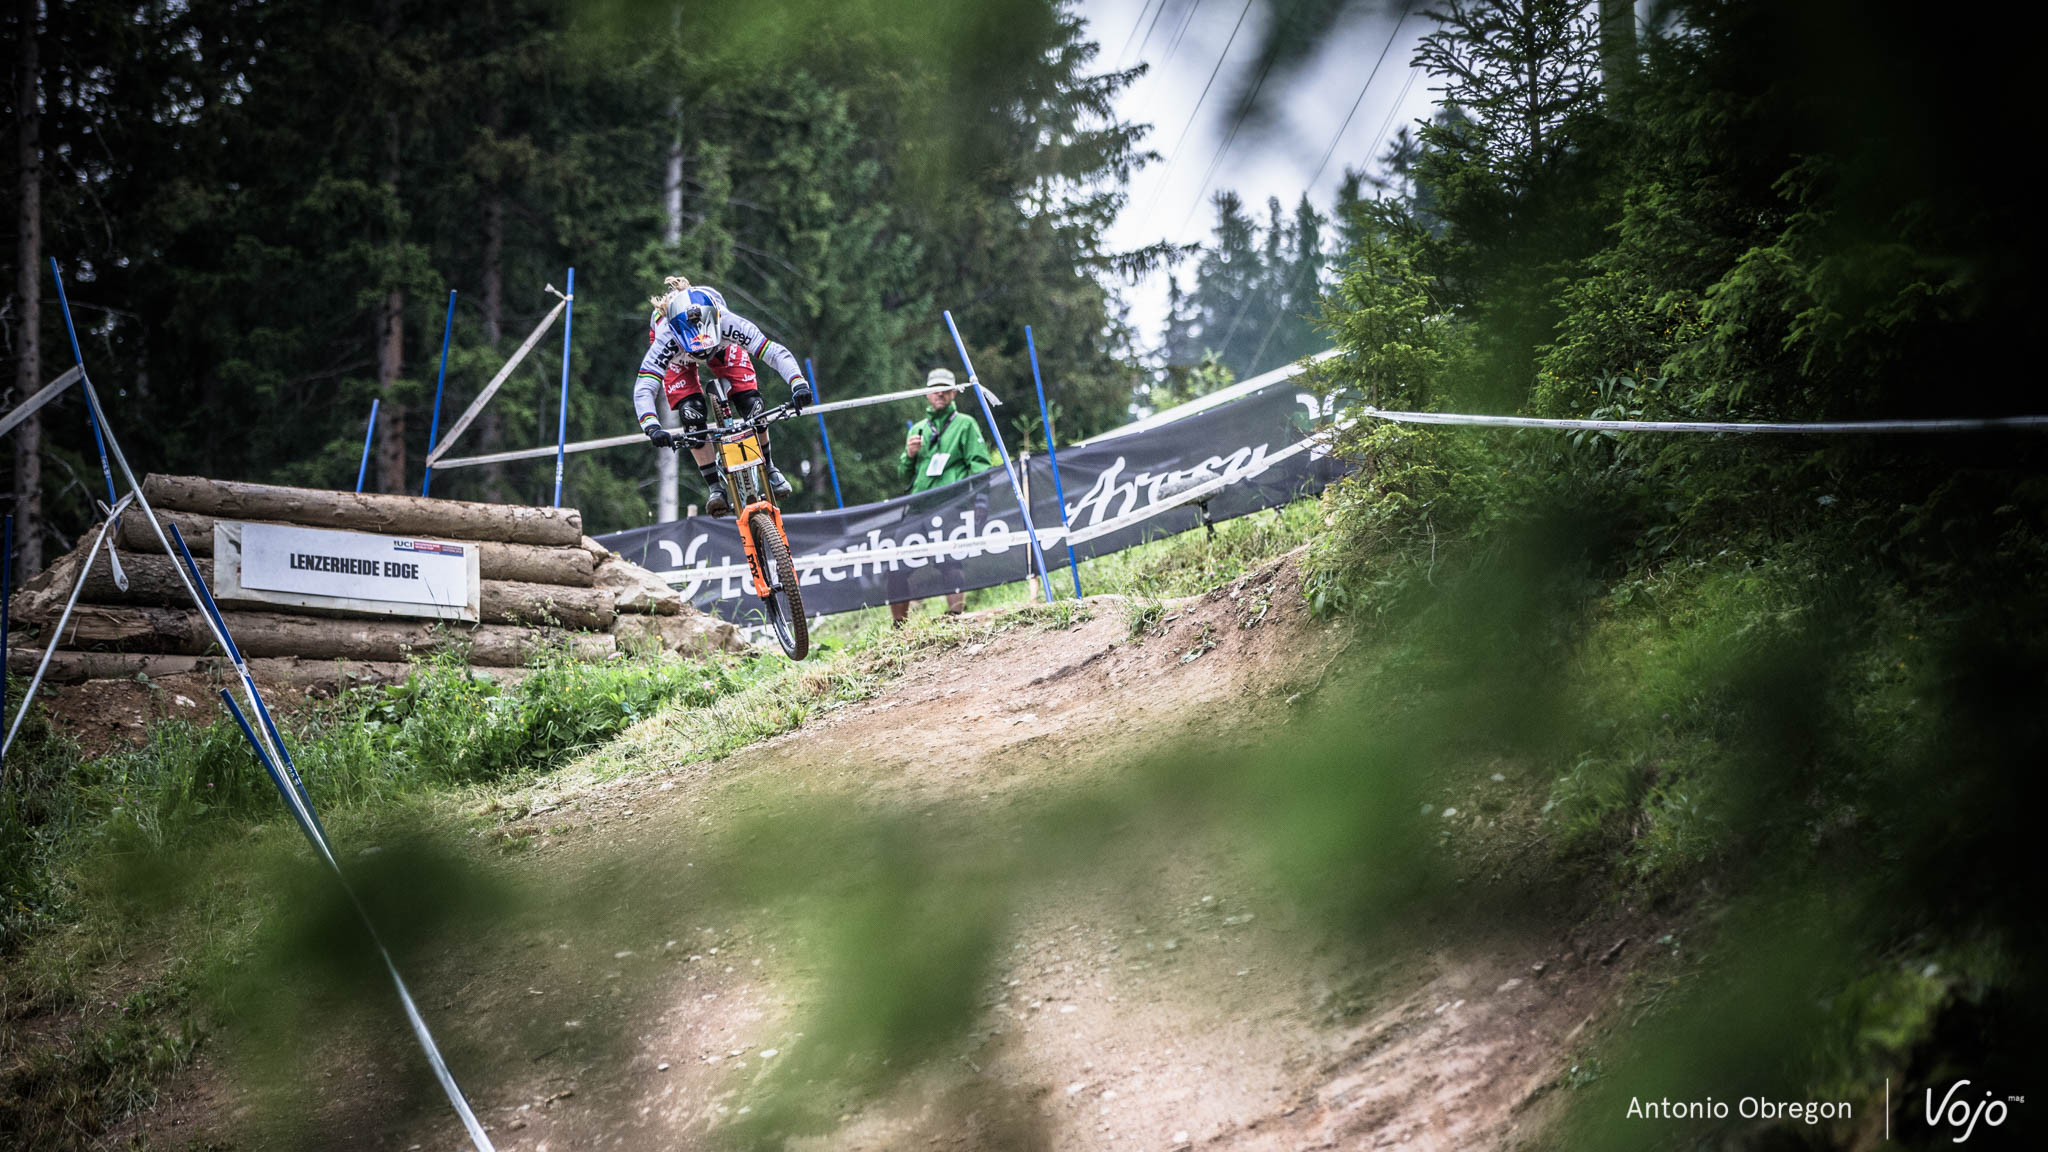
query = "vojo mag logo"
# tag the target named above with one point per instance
(1964, 1107)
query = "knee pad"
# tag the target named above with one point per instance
(747, 403)
(691, 412)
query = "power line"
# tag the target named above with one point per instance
(1149, 27)
(1180, 32)
(1413, 72)
(1399, 100)
(1174, 156)
(1132, 34)
(1334, 140)
(1243, 111)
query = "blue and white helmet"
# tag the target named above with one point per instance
(694, 315)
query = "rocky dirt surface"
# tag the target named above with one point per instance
(105, 716)
(1175, 1005)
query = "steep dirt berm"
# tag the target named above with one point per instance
(1202, 1015)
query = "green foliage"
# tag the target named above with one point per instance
(1417, 490)
(1255, 296)
(54, 1098)
(1191, 563)
(37, 813)
(237, 210)
(451, 727)
(1770, 635)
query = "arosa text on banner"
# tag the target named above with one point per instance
(1232, 459)
(349, 571)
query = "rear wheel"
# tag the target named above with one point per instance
(784, 602)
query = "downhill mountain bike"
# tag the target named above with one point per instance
(743, 469)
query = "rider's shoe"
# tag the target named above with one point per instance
(778, 483)
(715, 504)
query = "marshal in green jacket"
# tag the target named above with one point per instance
(954, 449)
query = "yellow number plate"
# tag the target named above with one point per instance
(740, 455)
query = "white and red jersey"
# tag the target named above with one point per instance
(668, 367)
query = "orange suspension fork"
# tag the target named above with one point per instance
(754, 561)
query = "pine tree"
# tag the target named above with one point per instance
(1227, 282)
(1514, 170)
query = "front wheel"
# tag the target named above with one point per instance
(784, 602)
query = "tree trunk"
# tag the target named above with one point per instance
(184, 632)
(28, 272)
(154, 580)
(533, 564)
(513, 602)
(391, 343)
(491, 423)
(151, 580)
(529, 563)
(330, 675)
(1617, 44)
(667, 469)
(364, 512)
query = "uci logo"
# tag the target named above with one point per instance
(1957, 1111)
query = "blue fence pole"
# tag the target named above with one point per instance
(434, 432)
(276, 778)
(823, 435)
(71, 330)
(1053, 454)
(562, 426)
(212, 610)
(206, 601)
(1016, 489)
(369, 434)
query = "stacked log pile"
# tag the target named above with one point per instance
(543, 583)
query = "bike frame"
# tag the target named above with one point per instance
(744, 466)
(740, 456)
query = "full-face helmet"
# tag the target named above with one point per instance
(694, 315)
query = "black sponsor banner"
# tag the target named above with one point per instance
(1240, 457)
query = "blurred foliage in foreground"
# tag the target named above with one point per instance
(1812, 663)
(1785, 691)
(1735, 740)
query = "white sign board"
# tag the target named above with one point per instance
(348, 571)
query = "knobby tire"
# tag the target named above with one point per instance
(792, 630)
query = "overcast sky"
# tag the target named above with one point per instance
(1170, 199)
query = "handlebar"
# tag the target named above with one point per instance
(684, 437)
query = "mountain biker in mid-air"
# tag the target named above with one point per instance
(692, 331)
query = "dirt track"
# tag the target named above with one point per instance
(1178, 1008)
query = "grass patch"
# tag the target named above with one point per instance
(1184, 564)
(147, 889)
(155, 870)
(142, 873)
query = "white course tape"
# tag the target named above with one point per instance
(1049, 536)
(57, 633)
(1198, 493)
(1826, 426)
(300, 811)
(48, 392)
(484, 397)
(629, 438)
(850, 557)
(537, 453)
(907, 393)
(1214, 399)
